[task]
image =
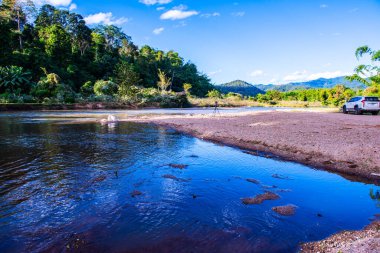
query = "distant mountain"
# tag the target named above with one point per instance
(240, 87)
(314, 84)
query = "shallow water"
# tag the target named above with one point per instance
(66, 187)
(85, 114)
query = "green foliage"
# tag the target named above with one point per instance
(61, 41)
(335, 96)
(187, 87)
(102, 87)
(163, 81)
(14, 79)
(234, 95)
(214, 94)
(369, 74)
(126, 77)
(87, 89)
(50, 90)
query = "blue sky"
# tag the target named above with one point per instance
(260, 41)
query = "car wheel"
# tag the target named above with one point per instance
(357, 111)
(375, 113)
(345, 110)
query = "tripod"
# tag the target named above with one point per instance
(216, 109)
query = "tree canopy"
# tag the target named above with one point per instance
(60, 42)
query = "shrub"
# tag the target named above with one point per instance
(102, 87)
(87, 89)
(214, 94)
(14, 79)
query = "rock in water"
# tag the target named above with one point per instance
(260, 198)
(178, 166)
(135, 193)
(287, 210)
(251, 180)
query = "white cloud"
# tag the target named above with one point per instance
(158, 31)
(104, 18)
(301, 76)
(274, 80)
(323, 6)
(160, 8)
(238, 14)
(257, 72)
(213, 73)
(64, 3)
(72, 7)
(153, 2)
(327, 75)
(296, 76)
(209, 15)
(178, 12)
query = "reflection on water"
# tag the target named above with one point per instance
(70, 187)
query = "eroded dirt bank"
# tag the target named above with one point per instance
(347, 144)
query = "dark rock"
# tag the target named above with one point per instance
(280, 177)
(287, 210)
(251, 180)
(178, 166)
(168, 176)
(260, 198)
(135, 193)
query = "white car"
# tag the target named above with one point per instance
(361, 104)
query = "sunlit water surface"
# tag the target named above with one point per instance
(67, 187)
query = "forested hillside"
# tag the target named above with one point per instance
(313, 84)
(241, 87)
(50, 54)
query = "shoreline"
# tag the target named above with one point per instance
(235, 131)
(357, 241)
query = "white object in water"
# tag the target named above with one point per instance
(110, 119)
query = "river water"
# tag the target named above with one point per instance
(68, 187)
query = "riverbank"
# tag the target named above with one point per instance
(346, 144)
(366, 240)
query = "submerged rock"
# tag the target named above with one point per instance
(251, 180)
(135, 193)
(99, 179)
(287, 210)
(168, 176)
(178, 166)
(260, 198)
(278, 176)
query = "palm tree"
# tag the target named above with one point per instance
(369, 74)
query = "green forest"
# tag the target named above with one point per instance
(50, 55)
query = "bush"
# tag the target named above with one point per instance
(14, 79)
(102, 87)
(214, 94)
(50, 90)
(87, 89)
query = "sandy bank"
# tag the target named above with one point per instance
(346, 144)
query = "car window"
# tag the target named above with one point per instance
(353, 99)
(371, 99)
